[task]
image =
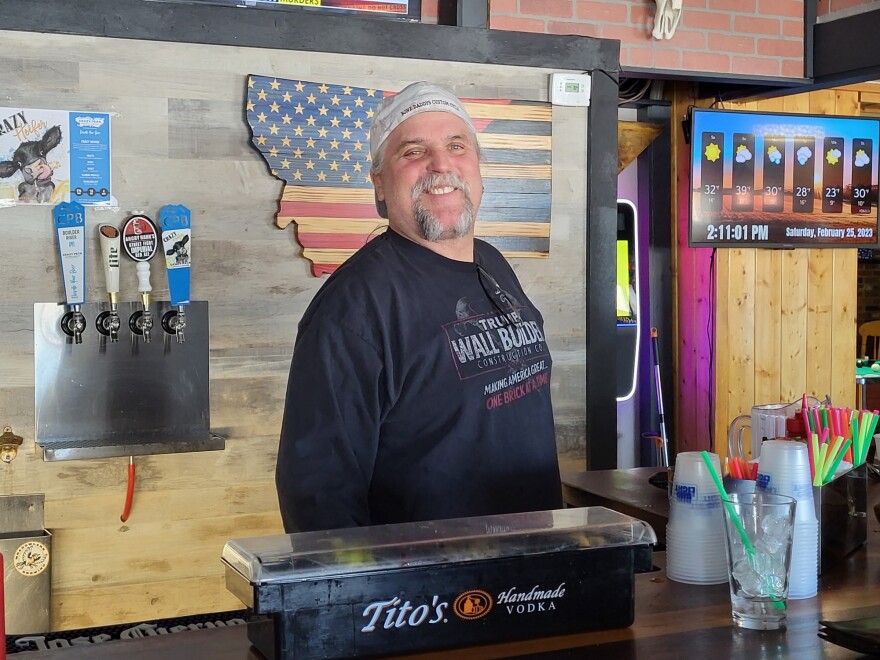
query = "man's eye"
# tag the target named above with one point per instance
(410, 153)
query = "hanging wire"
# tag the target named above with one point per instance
(632, 89)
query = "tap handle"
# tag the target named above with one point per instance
(70, 222)
(108, 235)
(175, 220)
(140, 238)
(143, 275)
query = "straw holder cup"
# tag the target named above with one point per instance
(842, 512)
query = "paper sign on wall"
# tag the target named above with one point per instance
(54, 156)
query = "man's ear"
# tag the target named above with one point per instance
(377, 184)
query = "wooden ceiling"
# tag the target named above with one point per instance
(869, 97)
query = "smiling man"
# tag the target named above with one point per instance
(420, 382)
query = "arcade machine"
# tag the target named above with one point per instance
(628, 332)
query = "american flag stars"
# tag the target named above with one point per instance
(313, 133)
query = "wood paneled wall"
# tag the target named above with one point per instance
(179, 136)
(784, 320)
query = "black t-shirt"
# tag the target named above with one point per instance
(419, 390)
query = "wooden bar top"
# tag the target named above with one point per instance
(671, 620)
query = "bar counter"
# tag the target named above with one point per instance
(671, 620)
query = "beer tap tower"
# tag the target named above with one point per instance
(175, 221)
(108, 322)
(70, 225)
(140, 240)
(154, 397)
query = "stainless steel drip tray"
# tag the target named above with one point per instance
(105, 448)
(100, 398)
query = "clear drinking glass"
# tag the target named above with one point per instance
(758, 532)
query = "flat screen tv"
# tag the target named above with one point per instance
(780, 180)
(408, 10)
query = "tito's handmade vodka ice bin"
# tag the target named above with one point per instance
(411, 587)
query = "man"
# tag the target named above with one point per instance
(419, 386)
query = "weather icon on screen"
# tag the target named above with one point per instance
(713, 153)
(804, 154)
(743, 155)
(774, 155)
(861, 159)
(833, 156)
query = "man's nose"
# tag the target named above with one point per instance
(440, 161)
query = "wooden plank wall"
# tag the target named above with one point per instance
(785, 320)
(179, 136)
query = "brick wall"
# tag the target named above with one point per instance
(832, 9)
(746, 37)
(430, 11)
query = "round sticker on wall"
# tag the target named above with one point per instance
(31, 558)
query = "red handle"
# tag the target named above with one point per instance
(129, 495)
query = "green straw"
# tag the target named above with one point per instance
(734, 516)
(829, 475)
(830, 464)
(864, 423)
(818, 468)
(869, 438)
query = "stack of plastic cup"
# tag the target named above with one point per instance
(695, 534)
(785, 470)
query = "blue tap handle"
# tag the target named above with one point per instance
(177, 248)
(70, 225)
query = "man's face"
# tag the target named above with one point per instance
(430, 179)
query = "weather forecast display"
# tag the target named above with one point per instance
(783, 180)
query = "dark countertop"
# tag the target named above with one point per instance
(671, 619)
(627, 491)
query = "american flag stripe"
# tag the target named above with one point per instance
(509, 207)
(349, 230)
(315, 137)
(327, 260)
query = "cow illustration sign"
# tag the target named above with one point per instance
(54, 156)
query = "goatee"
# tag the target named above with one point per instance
(430, 226)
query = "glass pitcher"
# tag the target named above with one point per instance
(766, 421)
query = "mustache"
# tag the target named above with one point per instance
(440, 180)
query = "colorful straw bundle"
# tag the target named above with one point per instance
(851, 430)
(739, 468)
